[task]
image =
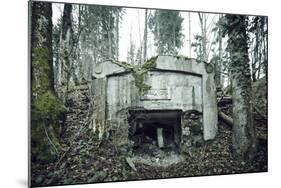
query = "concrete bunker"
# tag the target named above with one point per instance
(178, 112)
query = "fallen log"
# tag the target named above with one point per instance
(225, 118)
(262, 139)
(224, 99)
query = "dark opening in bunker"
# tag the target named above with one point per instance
(155, 129)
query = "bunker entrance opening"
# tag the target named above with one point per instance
(155, 129)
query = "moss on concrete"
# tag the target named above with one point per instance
(139, 72)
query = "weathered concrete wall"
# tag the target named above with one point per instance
(172, 90)
(176, 84)
(99, 98)
(121, 94)
(208, 88)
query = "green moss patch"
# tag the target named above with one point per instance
(139, 72)
(46, 109)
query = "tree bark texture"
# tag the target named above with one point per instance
(66, 46)
(145, 36)
(41, 39)
(243, 128)
(46, 109)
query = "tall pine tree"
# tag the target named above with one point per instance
(166, 26)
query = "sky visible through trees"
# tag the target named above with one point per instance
(133, 22)
(195, 27)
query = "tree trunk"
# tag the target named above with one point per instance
(117, 35)
(66, 44)
(139, 54)
(131, 50)
(219, 63)
(256, 56)
(205, 38)
(243, 137)
(174, 39)
(202, 19)
(41, 35)
(265, 52)
(109, 38)
(145, 36)
(228, 120)
(189, 33)
(159, 48)
(44, 119)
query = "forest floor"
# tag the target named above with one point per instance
(85, 159)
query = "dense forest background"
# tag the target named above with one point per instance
(66, 49)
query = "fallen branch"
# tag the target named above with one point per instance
(228, 120)
(228, 99)
(130, 163)
(49, 139)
